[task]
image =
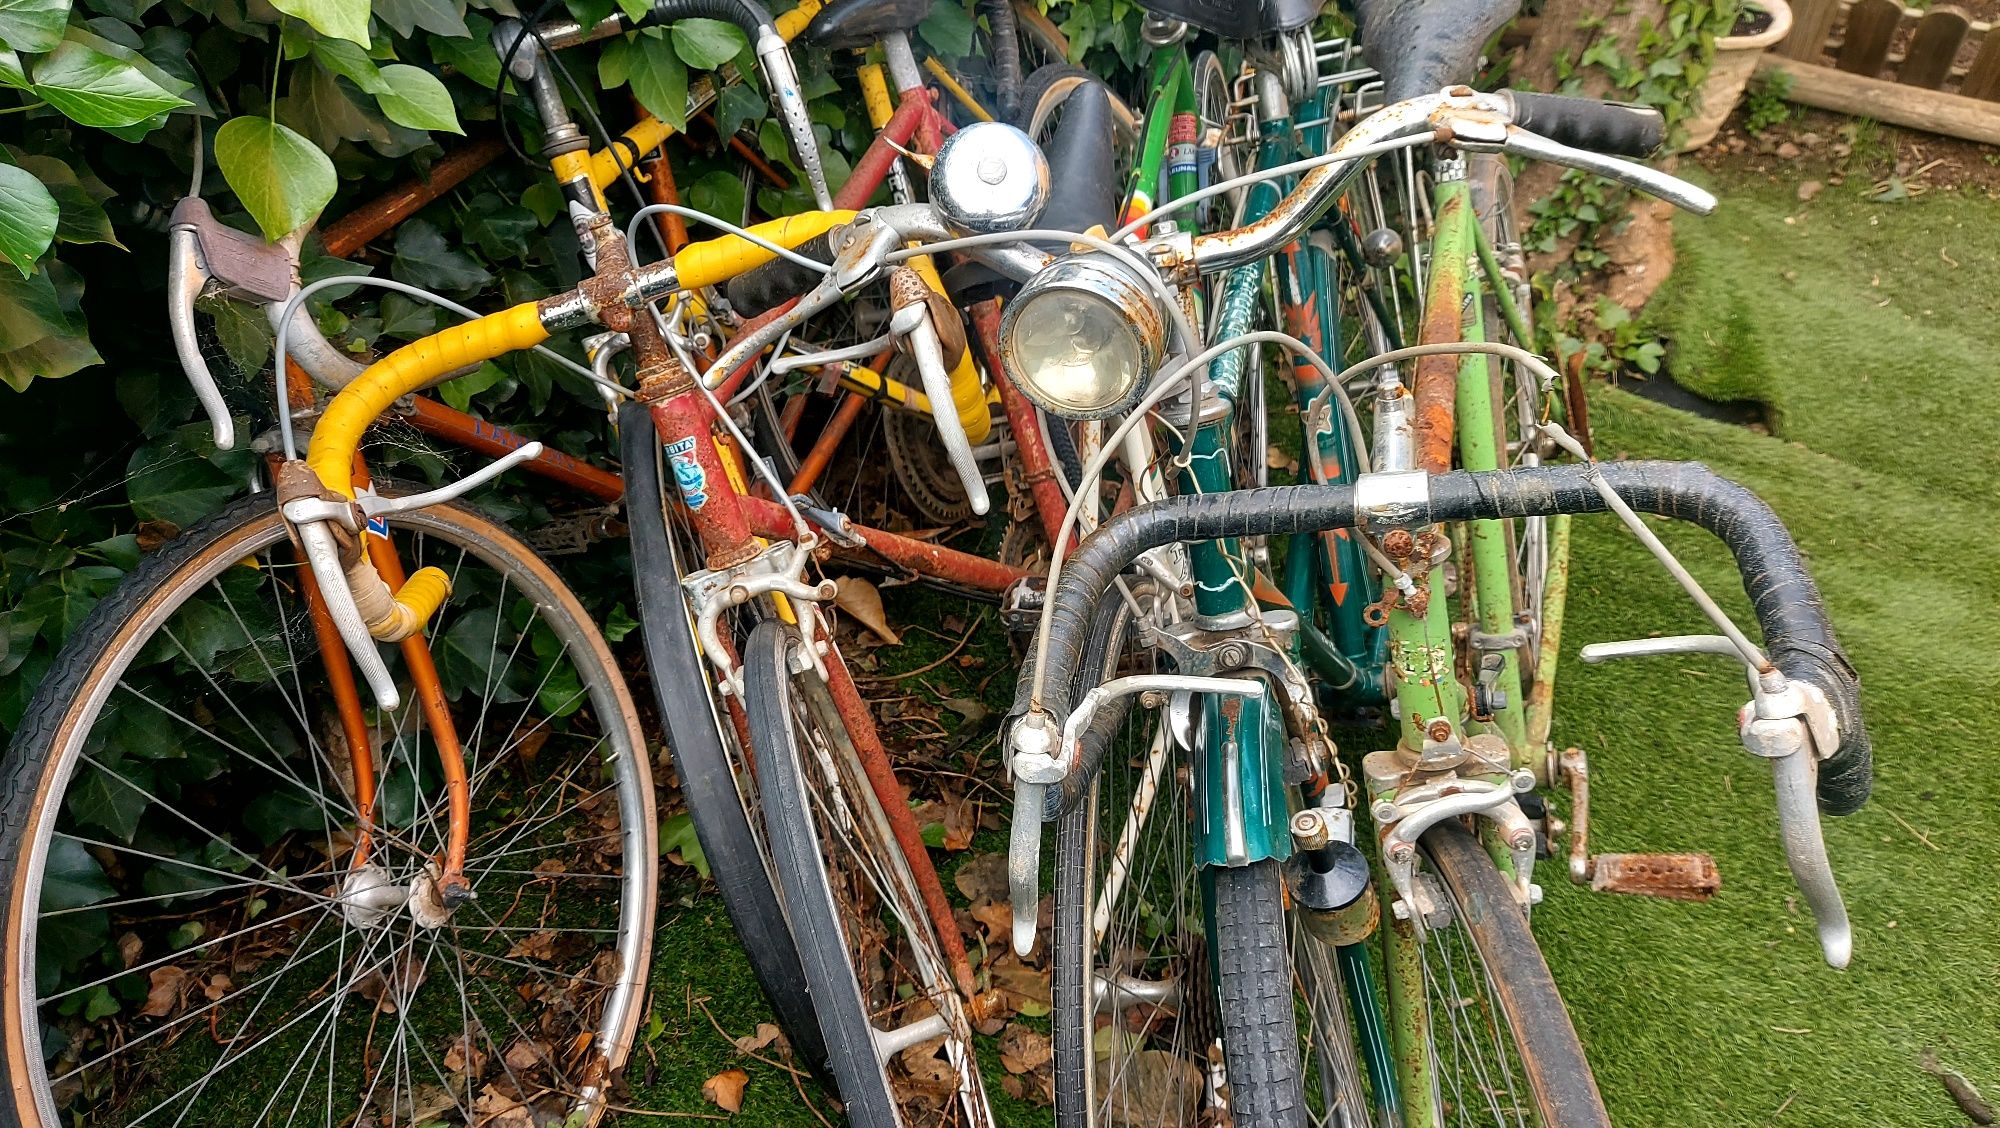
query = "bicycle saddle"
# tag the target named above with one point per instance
(1422, 46)
(859, 23)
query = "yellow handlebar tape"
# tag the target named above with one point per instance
(338, 436)
(714, 261)
(647, 134)
(793, 22)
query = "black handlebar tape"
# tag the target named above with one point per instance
(1622, 129)
(746, 14)
(1790, 613)
(780, 280)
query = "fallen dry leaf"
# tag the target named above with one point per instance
(536, 945)
(129, 949)
(524, 1055)
(984, 878)
(1023, 1050)
(997, 919)
(725, 1089)
(464, 1057)
(859, 598)
(165, 992)
(765, 1034)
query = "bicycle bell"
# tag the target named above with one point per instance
(989, 177)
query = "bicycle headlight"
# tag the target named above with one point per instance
(1083, 337)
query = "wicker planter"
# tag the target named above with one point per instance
(1735, 60)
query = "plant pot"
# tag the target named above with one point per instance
(1735, 61)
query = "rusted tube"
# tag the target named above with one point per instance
(816, 459)
(1436, 391)
(434, 418)
(895, 802)
(665, 190)
(357, 228)
(1022, 421)
(768, 518)
(718, 512)
(429, 689)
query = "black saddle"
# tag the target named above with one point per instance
(859, 23)
(1423, 46)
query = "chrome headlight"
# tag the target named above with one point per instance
(1083, 337)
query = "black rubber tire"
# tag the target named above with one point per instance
(1557, 1070)
(810, 906)
(1071, 1012)
(124, 622)
(1041, 84)
(694, 741)
(1253, 989)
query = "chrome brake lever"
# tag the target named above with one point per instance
(1645, 178)
(1793, 725)
(203, 251)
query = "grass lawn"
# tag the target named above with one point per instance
(1873, 353)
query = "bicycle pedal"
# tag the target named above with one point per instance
(567, 536)
(1676, 877)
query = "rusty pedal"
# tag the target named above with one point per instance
(1678, 877)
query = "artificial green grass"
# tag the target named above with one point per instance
(1723, 1014)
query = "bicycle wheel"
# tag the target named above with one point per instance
(189, 939)
(1129, 922)
(704, 747)
(898, 1040)
(1501, 1044)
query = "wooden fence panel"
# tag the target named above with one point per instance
(1812, 22)
(1870, 26)
(1982, 80)
(1928, 61)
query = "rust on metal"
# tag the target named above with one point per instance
(1676, 877)
(1437, 376)
(359, 227)
(453, 889)
(860, 724)
(815, 462)
(768, 518)
(434, 418)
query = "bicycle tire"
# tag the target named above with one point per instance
(1524, 994)
(695, 741)
(1253, 987)
(74, 732)
(809, 901)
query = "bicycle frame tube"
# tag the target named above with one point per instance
(1245, 811)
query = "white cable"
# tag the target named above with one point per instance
(1306, 165)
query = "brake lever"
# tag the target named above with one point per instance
(201, 251)
(1483, 132)
(1793, 725)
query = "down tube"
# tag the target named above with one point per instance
(1245, 814)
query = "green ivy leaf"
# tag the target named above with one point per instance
(948, 29)
(111, 800)
(94, 88)
(415, 98)
(71, 878)
(341, 19)
(12, 73)
(473, 56)
(619, 623)
(707, 44)
(718, 193)
(423, 258)
(458, 393)
(659, 80)
(169, 484)
(282, 178)
(738, 106)
(439, 17)
(32, 25)
(677, 835)
(28, 218)
(351, 63)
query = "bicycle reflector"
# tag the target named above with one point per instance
(1083, 337)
